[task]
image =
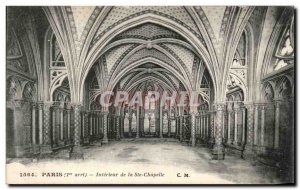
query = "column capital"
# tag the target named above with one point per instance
(249, 105)
(18, 103)
(76, 106)
(47, 105)
(220, 106)
(236, 106)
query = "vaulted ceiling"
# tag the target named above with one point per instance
(185, 46)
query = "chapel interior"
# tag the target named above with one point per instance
(240, 60)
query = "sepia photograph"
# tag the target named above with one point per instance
(150, 95)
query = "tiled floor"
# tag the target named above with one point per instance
(187, 158)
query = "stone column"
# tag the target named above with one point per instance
(18, 150)
(229, 111)
(117, 120)
(46, 147)
(94, 123)
(122, 126)
(218, 148)
(207, 125)
(130, 124)
(138, 123)
(141, 123)
(236, 109)
(160, 123)
(262, 129)
(76, 152)
(54, 137)
(243, 125)
(105, 127)
(169, 127)
(204, 126)
(69, 125)
(180, 128)
(193, 128)
(201, 125)
(91, 123)
(248, 150)
(61, 125)
(177, 127)
(33, 124)
(223, 125)
(212, 133)
(40, 108)
(277, 123)
(255, 125)
(86, 139)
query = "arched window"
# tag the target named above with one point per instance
(56, 57)
(285, 50)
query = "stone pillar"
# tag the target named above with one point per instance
(105, 128)
(138, 123)
(76, 152)
(69, 125)
(177, 127)
(262, 129)
(61, 125)
(54, 136)
(141, 123)
(18, 150)
(94, 123)
(201, 125)
(204, 126)
(243, 125)
(180, 128)
(248, 150)
(122, 126)
(277, 123)
(207, 125)
(169, 127)
(218, 148)
(193, 128)
(236, 109)
(91, 124)
(229, 111)
(40, 108)
(33, 125)
(223, 124)
(212, 133)
(255, 125)
(33, 129)
(46, 147)
(117, 120)
(130, 124)
(86, 139)
(160, 123)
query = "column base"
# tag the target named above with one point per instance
(193, 142)
(211, 141)
(235, 143)
(61, 143)
(105, 140)
(229, 141)
(45, 151)
(18, 151)
(86, 140)
(35, 149)
(76, 153)
(98, 143)
(248, 153)
(218, 152)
